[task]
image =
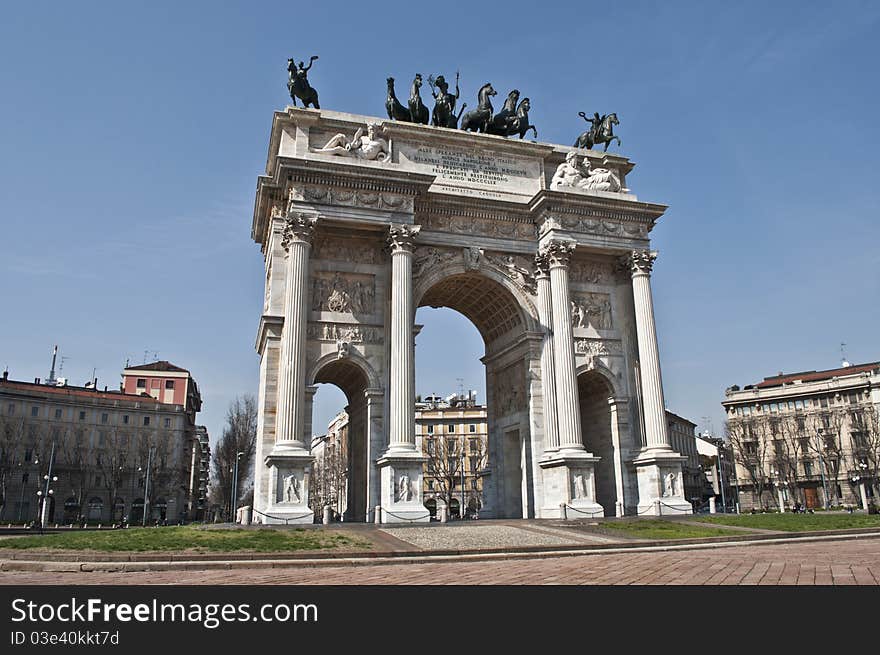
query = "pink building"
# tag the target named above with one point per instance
(166, 383)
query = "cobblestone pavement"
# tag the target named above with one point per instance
(492, 536)
(845, 562)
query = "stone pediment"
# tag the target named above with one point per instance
(449, 179)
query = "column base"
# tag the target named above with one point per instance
(661, 484)
(287, 495)
(570, 486)
(401, 478)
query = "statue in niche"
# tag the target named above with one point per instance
(669, 485)
(404, 489)
(580, 487)
(362, 146)
(291, 489)
(298, 83)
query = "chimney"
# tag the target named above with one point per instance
(6, 374)
(36, 380)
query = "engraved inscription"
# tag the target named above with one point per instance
(462, 167)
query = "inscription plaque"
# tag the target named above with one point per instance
(464, 170)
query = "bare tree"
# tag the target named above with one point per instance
(239, 436)
(453, 461)
(750, 451)
(327, 484)
(11, 442)
(113, 462)
(77, 463)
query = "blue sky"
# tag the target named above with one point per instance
(131, 138)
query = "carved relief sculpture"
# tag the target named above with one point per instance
(669, 485)
(428, 257)
(591, 310)
(580, 487)
(472, 257)
(291, 489)
(516, 268)
(404, 489)
(362, 146)
(577, 174)
(344, 332)
(347, 293)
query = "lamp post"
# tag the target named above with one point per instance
(822, 469)
(147, 485)
(859, 479)
(721, 482)
(46, 493)
(235, 486)
(779, 493)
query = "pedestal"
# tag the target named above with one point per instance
(288, 492)
(661, 484)
(401, 488)
(570, 486)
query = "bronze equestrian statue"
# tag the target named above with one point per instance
(601, 131)
(298, 83)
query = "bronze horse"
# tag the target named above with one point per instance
(396, 111)
(501, 122)
(478, 119)
(603, 133)
(417, 110)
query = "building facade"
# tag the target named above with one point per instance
(810, 438)
(453, 433)
(117, 456)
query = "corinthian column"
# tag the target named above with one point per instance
(401, 467)
(401, 240)
(548, 377)
(658, 467)
(654, 408)
(558, 253)
(296, 241)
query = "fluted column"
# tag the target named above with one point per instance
(548, 377)
(653, 406)
(402, 437)
(296, 241)
(558, 252)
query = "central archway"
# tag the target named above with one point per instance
(505, 318)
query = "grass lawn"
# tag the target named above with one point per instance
(188, 538)
(660, 529)
(794, 522)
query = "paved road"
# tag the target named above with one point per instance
(846, 562)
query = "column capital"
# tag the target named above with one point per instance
(299, 227)
(639, 262)
(558, 252)
(542, 265)
(402, 237)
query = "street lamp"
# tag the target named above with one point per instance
(822, 467)
(779, 490)
(46, 493)
(721, 482)
(147, 485)
(235, 486)
(859, 479)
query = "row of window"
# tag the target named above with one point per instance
(450, 427)
(142, 384)
(851, 397)
(105, 417)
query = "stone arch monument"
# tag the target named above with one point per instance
(541, 247)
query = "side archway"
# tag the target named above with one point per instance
(596, 395)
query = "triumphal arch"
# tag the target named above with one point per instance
(542, 247)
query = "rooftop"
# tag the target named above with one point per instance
(69, 391)
(815, 376)
(161, 365)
